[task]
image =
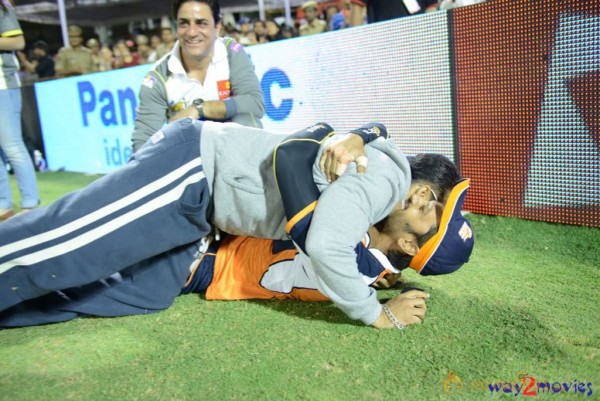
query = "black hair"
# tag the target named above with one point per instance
(436, 170)
(40, 44)
(431, 169)
(399, 260)
(214, 5)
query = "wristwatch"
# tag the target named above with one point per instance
(199, 106)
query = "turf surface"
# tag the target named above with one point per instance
(524, 310)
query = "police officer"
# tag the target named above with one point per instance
(75, 59)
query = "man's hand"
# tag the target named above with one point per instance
(213, 110)
(387, 281)
(21, 56)
(408, 308)
(335, 158)
(189, 111)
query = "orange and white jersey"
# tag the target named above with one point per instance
(252, 268)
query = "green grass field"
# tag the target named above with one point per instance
(527, 304)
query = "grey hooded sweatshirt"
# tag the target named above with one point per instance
(238, 163)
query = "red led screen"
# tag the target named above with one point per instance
(527, 102)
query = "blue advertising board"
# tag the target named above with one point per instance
(377, 72)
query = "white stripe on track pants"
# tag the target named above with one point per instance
(154, 203)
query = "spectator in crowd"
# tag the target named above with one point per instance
(145, 52)
(155, 43)
(168, 41)
(250, 39)
(346, 5)
(244, 24)
(336, 19)
(94, 46)
(381, 10)
(106, 58)
(129, 57)
(123, 56)
(230, 31)
(247, 36)
(345, 11)
(116, 54)
(42, 64)
(273, 30)
(429, 6)
(330, 12)
(260, 29)
(11, 137)
(75, 59)
(204, 76)
(313, 24)
(288, 32)
(118, 50)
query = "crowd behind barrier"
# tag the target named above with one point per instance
(147, 47)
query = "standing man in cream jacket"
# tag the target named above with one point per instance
(203, 77)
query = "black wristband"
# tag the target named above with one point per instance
(371, 131)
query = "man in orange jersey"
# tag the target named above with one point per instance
(232, 269)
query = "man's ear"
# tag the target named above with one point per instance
(408, 245)
(424, 190)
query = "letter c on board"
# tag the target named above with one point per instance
(271, 77)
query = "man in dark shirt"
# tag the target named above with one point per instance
(42, 65)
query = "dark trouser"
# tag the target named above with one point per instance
(146, 287)
(155, 203)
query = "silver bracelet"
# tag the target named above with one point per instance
(391, 317)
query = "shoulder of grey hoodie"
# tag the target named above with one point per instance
(344, 213)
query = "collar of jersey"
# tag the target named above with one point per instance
(176, 65)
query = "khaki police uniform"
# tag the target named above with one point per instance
(74, 61)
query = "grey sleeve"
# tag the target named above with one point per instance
(344, 212)
(247, 105)
(151, 111)
(9, 24)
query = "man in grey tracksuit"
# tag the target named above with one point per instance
(189, 177)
